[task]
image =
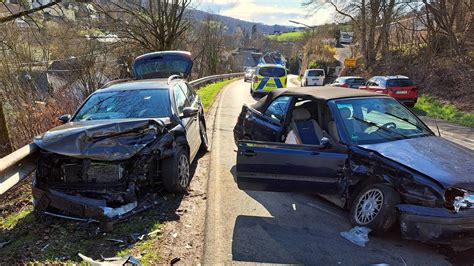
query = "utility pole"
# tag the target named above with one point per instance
(5, 145)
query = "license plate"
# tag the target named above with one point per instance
(401, 92)
(270, 85)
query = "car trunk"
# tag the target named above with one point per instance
(163, 65)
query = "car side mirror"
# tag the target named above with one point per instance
(189, 112)
(64, 118)
(325, 142)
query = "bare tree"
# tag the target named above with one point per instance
(210, 42)
(151, 25)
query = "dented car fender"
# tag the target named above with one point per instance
(365, 167)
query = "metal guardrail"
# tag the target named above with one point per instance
(19, 164)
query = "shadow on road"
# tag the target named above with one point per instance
(306, 229)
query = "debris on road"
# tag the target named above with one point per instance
(173, 261)
(115, 240)
(111, 261)
(45, 247)
(294, 206)
(357, 235)
(2, 244)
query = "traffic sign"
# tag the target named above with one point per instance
(350, 62)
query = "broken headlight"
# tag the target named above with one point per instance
(459, 199)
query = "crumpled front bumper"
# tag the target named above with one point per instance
(79, 206)
(437, 225)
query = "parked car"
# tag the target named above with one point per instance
(371, 152)
(313, 77)
(249, 74)
(399, 87)
(352, 82)
(268, 77)
(122, 143)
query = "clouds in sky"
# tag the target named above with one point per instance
(267, 11)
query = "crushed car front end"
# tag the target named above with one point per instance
(99, 171)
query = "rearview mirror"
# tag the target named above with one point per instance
(65, 118)
(189, 112)
(325, 142)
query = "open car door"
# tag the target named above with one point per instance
(280, 167)
(162, 65)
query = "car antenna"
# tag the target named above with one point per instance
(436, 123)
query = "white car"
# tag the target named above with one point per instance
(313, 77)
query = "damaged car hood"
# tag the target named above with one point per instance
(103, 140)
(448, 163)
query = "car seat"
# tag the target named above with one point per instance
(307, 130)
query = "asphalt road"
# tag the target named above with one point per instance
(266, 227)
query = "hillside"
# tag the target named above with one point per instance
(233, 23)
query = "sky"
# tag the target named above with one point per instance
(268, 11)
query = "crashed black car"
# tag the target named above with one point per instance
(125, 140)
(373, 154)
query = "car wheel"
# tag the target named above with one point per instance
(375, 207)
(176, 173)
(204, 140)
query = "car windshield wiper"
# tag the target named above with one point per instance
(406, 120)
(380, 127)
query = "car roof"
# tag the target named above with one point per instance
(137, 85)
(270, 65)
(391, 77)
(324, 93)
(351, 77)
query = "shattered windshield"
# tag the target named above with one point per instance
(376, 120)
(125, 104)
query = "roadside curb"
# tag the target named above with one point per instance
(211, 120)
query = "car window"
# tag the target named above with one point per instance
(315, 73)
(125, 104)
(278, 108)
(188, 92)
(376, 120)
(272, 72)
(399, 83)
(180, 98)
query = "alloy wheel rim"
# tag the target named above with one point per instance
(369, 206)
(183, 171)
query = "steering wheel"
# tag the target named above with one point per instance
(389, 125)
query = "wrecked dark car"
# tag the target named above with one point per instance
(125, 140)
(370, 152)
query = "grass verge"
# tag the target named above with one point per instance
(49, 240)
(287, 36)
(208, 93)
(436, 109)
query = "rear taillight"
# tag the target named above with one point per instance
(415, 89)
(256, 79)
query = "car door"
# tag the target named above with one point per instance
(191, 124)
(281, 167)
(269, 125)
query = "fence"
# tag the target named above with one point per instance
(18, 165)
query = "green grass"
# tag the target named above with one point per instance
(448, 112)
(57, 241)
(287, 36)
(208, 93)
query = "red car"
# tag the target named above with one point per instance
(398, 87)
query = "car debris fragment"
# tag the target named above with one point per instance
(358, 235)
(114, 261)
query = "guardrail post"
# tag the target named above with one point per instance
(5, 145)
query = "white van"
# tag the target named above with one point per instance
(313, 77)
